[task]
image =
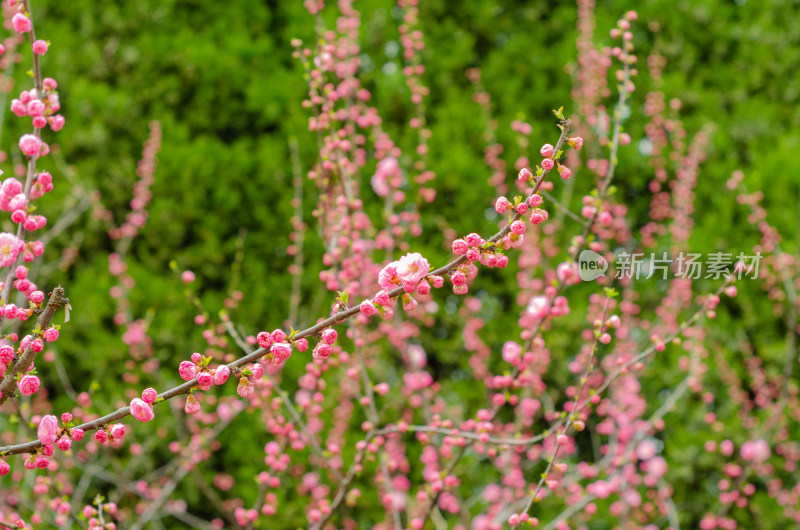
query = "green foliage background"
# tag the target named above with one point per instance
(220, 78)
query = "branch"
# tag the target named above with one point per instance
(337, 318)
(570, 418)
(25, 361)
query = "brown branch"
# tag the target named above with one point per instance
(25, 361)
(340, 316)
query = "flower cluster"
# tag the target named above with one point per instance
(50, 434)
(142, 409)
(41, 107)
(98, 516)
(196, 368)
(41, 104)
(111, 434)
(280, 349)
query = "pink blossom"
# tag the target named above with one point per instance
(28, 385)
(204, 380)
(264, 339)
(301, 345)
(547, 164)
(322, 351)
(367, 308)
(51, 334)
(10, 247)
(187, 370)
(21, 23)
(6, 353)
(57, 123)
(187, 277)
(245, 388)
(501, 205)
(192, 406)
(141, 410)
(547, 150)
(19, 108)
(30, 145)
(417, 380)
(525, 174)
(64, 443)
(511, 352)
(48, 430)
(755, 450)
(518, 227)
(278, 335)
(538, 216)
(475, 240)
(37, 297)
(388, 278)
(11, 187)
(460, 247)
(257, 371)
(412, 267)
(149, 395)
(281, 351)
(538, 307)
(409, 303)
(382, 298)
(77, 434)
(4, 468)
(36, 108)
(383, 177)
(117, 431)
(329, 336)
(567, 272)
(576, 143)
(564, 172)
(221, 375)
(437, 281)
